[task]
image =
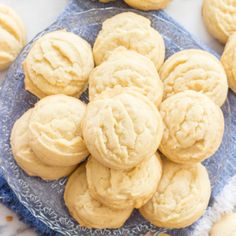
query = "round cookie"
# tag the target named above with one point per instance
(106, 1)
(193, 127)
(25, 157)
(58, 63)
(181, 197)
(197, 70)
(147, 5)
(13, 36)
(121, 128)
(129, 31)
(225, 226)
(228, 60)
(88, 211)
(219, 17)
(124, 189)
(126, 69)
(55, 130)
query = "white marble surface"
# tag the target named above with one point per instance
(39, 14)
(11, 226)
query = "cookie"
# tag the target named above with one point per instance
(219, 17)
(181, 198)
(148, 4)
(124, 189)
(58, 63)
(13, 36)
(87, 211)
(106, 1)
(228, 60)
(196, 70)
(55, 130)
(193, 127)
(129, 31)
(121, 128)
(225, 226)
(126, 69)
(25, 157)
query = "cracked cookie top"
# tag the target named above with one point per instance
(127, 69)
(86, 210)
(121, 128)
(127, 188)
(193, 127)
(58, 63)
(220, 18)
(181, 197)
(130, 31)
(195, 70)
(55, 130)
(26, 158)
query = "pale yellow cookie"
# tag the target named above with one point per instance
(228, 60)
(195, 70)
(226, 226)
(124, 189)
(12, 36)
(55, 130)
(126, 69)
(25, 157)
(122, 128)
(147, 5)
(220, 18)
(58, 63)
(131, 31)
(87, 211)
(193, 127)
(181, 198)
(106, 1)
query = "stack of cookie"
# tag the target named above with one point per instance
(47, 141)
(125, 123)
(195, 86)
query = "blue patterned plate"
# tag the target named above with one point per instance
(45, 199)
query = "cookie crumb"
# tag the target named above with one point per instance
(9, 218)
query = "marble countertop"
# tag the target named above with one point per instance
(37, 15)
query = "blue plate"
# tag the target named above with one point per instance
(45, 199)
